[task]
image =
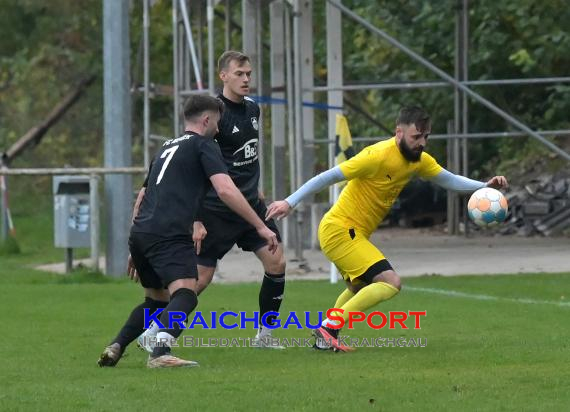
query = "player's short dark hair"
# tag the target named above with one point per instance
(414, 115)
(198, 104)
(229, 56)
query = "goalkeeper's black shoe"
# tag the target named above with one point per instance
(323, 348)
(327, 338)
(111, 355)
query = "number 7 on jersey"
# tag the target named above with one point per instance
(168, 152)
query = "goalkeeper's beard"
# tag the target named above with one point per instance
(409, 154)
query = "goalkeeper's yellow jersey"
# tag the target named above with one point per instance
(376, 176)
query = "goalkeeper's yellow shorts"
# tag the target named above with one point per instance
(348, 248)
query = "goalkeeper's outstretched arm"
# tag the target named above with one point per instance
(281, 208)
(463, 184)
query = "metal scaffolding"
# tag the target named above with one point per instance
(291, 80)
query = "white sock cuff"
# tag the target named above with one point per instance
(328, 323)
(165, 338)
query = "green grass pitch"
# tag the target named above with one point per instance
(494, 343)
(481, 354)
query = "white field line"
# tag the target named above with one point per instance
(457, 294)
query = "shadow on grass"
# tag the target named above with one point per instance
(9, 247)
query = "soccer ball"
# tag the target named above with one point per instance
(487, 207)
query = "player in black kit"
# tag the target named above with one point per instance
(160, 242)
(218, 228)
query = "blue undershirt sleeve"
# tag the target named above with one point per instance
(457, 183)
(316, 184)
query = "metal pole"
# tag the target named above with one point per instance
(3, 206)
(118, 133)
(146, 80)
(504, 82)
(432, 84)
(188, 31)
(451, 196)
(449, 79)
(72, 171)
(198, 15)
(298, 122)
(68, 260)
(290, 119)
(186, 93)
(94, 220)
(259, 83)
(307, 81)
(249, 36)
(228, 25)
(451, 136)
(334, 98)
(455, 126)
(465, 100)
(175, 74)
(211, 61)
(277, 79)
(379, 86)
(184, 62)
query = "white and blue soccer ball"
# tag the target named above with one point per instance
(487, 207)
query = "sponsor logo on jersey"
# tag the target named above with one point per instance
(254, 123)
(249, 150)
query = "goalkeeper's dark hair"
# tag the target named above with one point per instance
(414, 115)
(198, 104)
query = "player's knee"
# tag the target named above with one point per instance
(206, 272)
(186, 283)
(396, 281)
(277, 268)
(201, 285)
(276, 265)
(161, 295)
(205, 276)
(280, 265)
(390, 277)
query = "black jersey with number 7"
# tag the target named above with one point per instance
(177, 181)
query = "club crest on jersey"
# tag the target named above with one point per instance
(254, 123)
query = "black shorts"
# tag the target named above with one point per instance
(224, 231)
(160, 261)
(377, 268)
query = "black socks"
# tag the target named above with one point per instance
(183, 300)
(271, 295)
(135, 323)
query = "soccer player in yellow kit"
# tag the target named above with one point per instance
(375, 176)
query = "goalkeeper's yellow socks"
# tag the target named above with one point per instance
(366, 297)
(344, 297)
(369, 296)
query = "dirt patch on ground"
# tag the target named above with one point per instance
(416, 252)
